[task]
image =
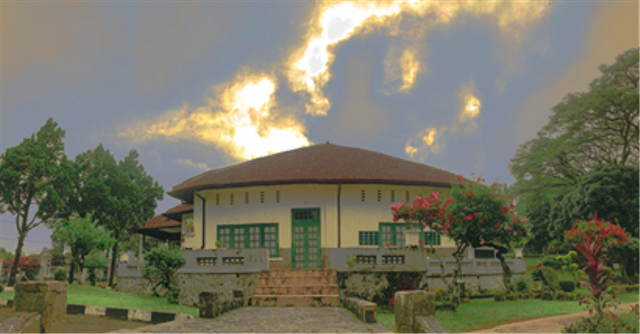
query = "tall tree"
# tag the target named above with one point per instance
(83, 235)
(585, 130)
(32, 179)
(120, 195)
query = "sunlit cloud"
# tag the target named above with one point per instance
(431, 139)
(243, 118)
(335, 22)
(199, 165)
(240, 119)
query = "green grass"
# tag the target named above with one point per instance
(95, 296)
(486, 313)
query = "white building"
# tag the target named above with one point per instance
(301, 203)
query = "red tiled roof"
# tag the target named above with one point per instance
(180, 208)
(325, 163)
(159, 221)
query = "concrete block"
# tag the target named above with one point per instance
(48, 298)
(22, 322)
(409, 305)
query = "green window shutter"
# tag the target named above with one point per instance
(391, 232)
(251, 236)
(368, 238)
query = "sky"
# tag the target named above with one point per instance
(193, 86)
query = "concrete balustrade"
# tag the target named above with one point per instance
(414, 260)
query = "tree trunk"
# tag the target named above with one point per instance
(114, 255)
(506, 271)
(455, 300)
(16, 260)
(72, 267)
(433, 251)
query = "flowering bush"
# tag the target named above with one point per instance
(30, 265)
(591, 239)
(481, 215)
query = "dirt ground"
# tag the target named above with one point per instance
(543, 325)
(86, 323)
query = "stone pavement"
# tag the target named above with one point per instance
(270, 320)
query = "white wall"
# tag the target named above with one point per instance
(356, 215)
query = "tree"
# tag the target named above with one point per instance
(610, 190)
(121, 195)
(160, 267)
(33, 180)
(57, 252)
(92, 262)
(585, 130)
(481, 216)
(83, 235)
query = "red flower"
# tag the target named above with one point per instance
(537, 266)
(392, 301)
(471, 193)
(512, 207)
(515, 222)
(505, 209)
(475, 214)
(467, 217)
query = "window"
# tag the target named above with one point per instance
(431, 238)
(217, 199)
(393, 196)
(368, 238)
(407, 195)
(262, 197)
(246, 198)
(391, 233)
(484, 253)
(231, 199)
(252, 236)
(379, 195)
(277, 196)
(362, 195)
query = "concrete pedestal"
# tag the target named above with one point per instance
(49, 299)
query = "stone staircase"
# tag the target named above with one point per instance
(297, 288)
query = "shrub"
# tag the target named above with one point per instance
(161, 265)
(547, 294)
(551, 262)
(623, 322)
(560, 295)
(500, 296)
(521, 285)
(536, 275)
(567, 286)
(24, 278)
(549, 277)
(60, 275)
(1, 288)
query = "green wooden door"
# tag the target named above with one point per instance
(305, 236)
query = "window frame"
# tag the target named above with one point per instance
(423, 234)
(247, 236)
(364, 237)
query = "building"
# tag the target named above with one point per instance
(301, 203)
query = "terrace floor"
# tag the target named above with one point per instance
(270, 320)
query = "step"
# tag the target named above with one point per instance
(326, 289)
(300, 273)
(295, 301)
(262, 281)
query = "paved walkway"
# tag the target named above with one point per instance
(270, 320)
(544, 325)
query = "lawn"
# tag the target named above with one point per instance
(95, 296)
(486, 313)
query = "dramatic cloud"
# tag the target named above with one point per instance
(431, 140)
(241, 119)
(249, 130)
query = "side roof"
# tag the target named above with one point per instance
(323, 163)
